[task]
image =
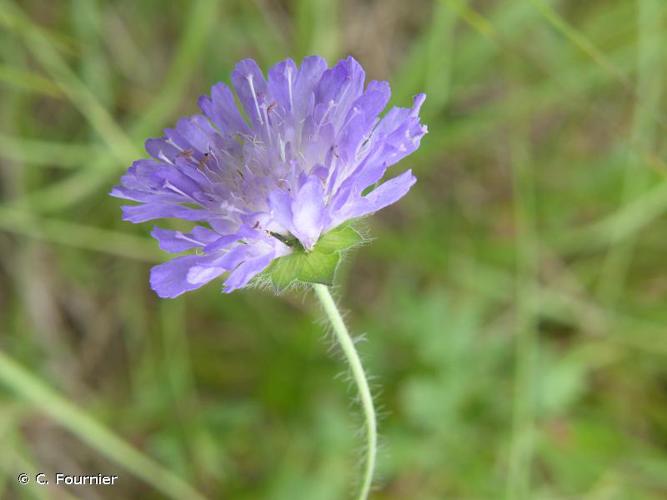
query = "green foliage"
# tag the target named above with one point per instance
(513, 302)
(315, 266)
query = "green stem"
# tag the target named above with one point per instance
(79, 423)
(346, 343)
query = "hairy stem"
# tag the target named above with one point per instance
(346, 343)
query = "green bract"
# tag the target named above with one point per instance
(317, 266)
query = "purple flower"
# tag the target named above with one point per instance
(298, 161)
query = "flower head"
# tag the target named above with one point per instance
(297, 162)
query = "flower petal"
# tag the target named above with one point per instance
(310, 72)
(397, 135)
(221, 109)
(280, 203)
(176, 241)
(173, 278)
(308, 215)
(282, 83)
(341, 85)
(250, 87)
(152, 211)
(246, 271)
(384, 195)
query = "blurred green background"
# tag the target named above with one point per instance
(513, 303)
